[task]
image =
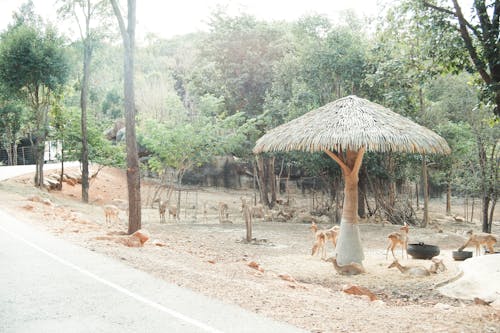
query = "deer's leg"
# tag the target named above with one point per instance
(388, 247)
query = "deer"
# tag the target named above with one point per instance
(162, 208)
(478, 239)
(223, 212)
(437, 266)
(350, 269)
(172, 212)
(111, 213)
(398, 238)
(321, 237)
(410, 270)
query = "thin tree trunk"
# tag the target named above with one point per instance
(87, 54)
(448, 198)
(272, 180)
(425, 219)
(362, 194)
(133, 172)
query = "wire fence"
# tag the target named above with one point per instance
(24, 156)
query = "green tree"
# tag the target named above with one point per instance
(85, 13)
(12, 118)
(243, 52)
(33, 65)
(480, 34)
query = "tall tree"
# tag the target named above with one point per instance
(133, 172)
(85, 13)
(480, 35)
(33, 65)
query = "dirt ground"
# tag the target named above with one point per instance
(201, 254)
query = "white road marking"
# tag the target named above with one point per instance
(144, 300)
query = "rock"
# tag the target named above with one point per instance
(287, 277)
(157, 242)
(141, 235)
(442, 306)
(480, 301)
(496, 304)
(360, 291)
(256, 266)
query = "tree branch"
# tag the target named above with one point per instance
(452, 13)
(469, 45)
(121, 23)
(359, 160)
(339, 161)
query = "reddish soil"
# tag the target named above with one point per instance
(201, 254)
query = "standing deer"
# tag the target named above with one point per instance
(321, 237)
(162, 208)
(223, 212)
(398, 238)
(111, 213)
(478, 239)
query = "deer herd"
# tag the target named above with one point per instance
(322, 237)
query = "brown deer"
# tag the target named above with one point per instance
(350, 269)
(172, 212)
(398, 238)
(162, 208)
(410, 270)
(478, 239)
(111, 213)
(321, 237)
(223, 212)
(437, 266)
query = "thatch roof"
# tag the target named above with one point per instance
(350, 123)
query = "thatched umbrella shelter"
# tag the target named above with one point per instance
(344, 130)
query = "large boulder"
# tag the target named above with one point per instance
(478, 278)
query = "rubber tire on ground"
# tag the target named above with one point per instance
(423, 251)
(461, 255)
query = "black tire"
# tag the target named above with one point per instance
(423, 251)
(461, 255)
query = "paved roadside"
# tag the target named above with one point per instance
(49, 285)
(18, 170)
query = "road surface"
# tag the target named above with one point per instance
(18, 170)
(50, 285)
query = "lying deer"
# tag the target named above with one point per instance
(350, 269)
(321, 237)
(410, 270)
(478, 239)
(111, 213)
(398, 238)
(437, 266)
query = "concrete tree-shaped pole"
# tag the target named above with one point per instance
(344, 130)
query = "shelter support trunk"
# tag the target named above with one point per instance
(349, 248)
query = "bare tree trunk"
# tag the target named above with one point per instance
(272, 180)
(425, 220)
(133, 172)
(261, 172)
(87, 53)
(448, 198)
(362, 188)
(349, 248)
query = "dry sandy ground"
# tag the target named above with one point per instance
(211, 258)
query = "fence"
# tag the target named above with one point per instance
(24, 156)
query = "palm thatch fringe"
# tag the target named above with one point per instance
(350, 123)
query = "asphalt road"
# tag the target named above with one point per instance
(50, 285)
(18, 170)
